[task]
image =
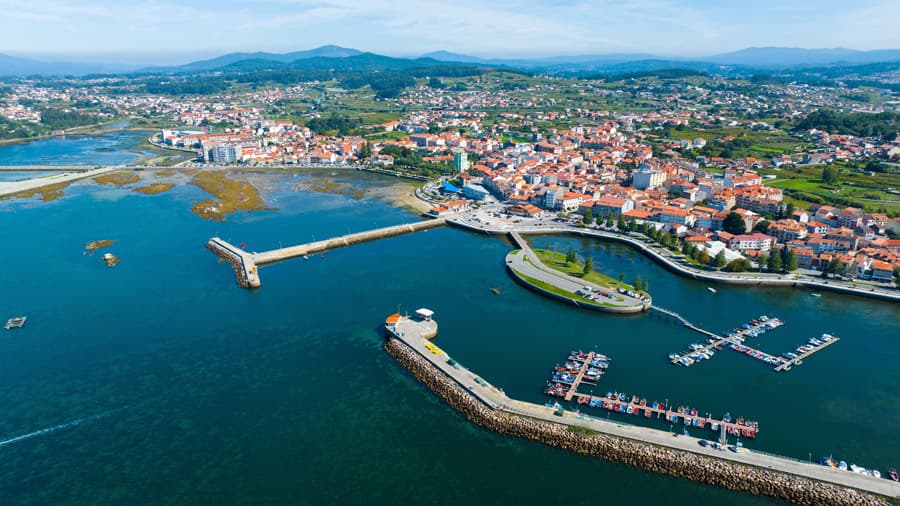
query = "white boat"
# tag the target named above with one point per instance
(816, 294)
(15, 323)
(711, 289)
(856, 469)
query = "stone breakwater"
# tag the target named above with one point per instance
(235, 262)
(741, 478)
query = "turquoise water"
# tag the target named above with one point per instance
(107, 149)
(214, 394)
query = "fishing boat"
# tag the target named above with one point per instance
(711, 289)
(496, 291)
(828, 462)
(16, 322)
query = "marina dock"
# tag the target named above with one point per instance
(408, 332)
(246, 262)
(787, 365)
(690, 418)
(699, 352)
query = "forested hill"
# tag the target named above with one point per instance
(885, 125)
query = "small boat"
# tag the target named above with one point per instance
(711, 289)
(306, 257)
(496, 291)
(857, 469)
(815, 294)
(893, 475)
(16, 322)
(875, 473)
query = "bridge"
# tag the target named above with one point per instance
(246, 263)
(684, 321)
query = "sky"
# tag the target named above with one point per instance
(174, 31)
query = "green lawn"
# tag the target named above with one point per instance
(557, 261)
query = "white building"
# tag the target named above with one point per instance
(649, 179)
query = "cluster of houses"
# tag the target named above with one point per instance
(602, 172)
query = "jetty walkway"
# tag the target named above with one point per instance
(11, 188)
(409, 332)
(248, 262)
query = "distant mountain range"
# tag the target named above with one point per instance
(232, 58)
(16, 66)
(328, 57)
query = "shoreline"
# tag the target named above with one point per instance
(742, 279)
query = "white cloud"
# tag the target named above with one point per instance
(496, 28)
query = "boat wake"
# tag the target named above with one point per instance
(62, 426)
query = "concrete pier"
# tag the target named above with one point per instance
(655, 450)
(247, 262)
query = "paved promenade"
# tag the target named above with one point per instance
(495, 398)
(675, 262)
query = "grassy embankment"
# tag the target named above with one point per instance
(559, 291)
(230, 195)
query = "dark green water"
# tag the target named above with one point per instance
(216, 395)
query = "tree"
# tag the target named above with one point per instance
(588, 217)
(721, 261)
(620, 224)
(622, 277)
(588, 266)
(734, 224)
(790, 262)
(738, 265)
(632, 225)
(609, 221)
(831, 175)
(774, 263)
(686, 248)
(763, 260)
(835, 266)
(638, 282)
(703, 258)
(570, 257)
(646, 286)
(762, 226)
(789, 211)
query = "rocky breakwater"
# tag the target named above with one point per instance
(730, 475)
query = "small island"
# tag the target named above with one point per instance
(95, 245)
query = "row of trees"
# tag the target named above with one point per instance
(639, 283)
